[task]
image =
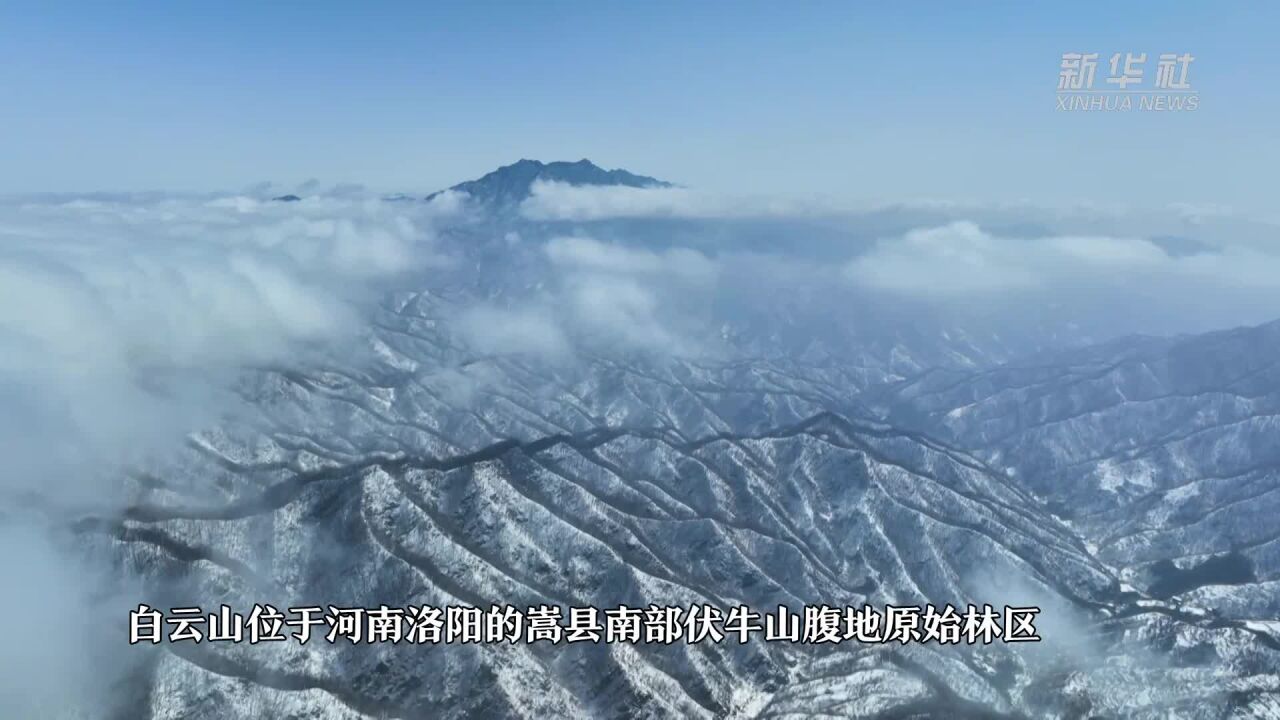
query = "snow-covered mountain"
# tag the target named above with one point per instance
(510, 434)
(1161, 452)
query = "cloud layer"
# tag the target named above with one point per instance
(120, 318)
(561, 201)
(1112, 284)
(961, 259)
(123, 323)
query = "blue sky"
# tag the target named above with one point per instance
(866, 102)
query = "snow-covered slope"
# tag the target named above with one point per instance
(1161, 452)
(544, 422)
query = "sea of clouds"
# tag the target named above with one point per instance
(124, 322)
(123, 318)
(126, 319)
(1113, 270)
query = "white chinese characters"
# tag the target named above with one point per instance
(663, 625)
(1126, 85)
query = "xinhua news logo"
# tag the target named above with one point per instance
(1125, 87)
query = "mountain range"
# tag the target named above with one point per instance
(1129, 489)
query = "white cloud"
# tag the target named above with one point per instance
(1110, 285)
(561, 201)
(957, 258)
(619, 310)
(630, 297)
(103, 300)
(520, 331)
(588, 254)
(123, 322)
(602, 295)
(960, 258)
(448, 202)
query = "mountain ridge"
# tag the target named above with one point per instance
(509, 185)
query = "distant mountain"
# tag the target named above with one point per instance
(510, 185)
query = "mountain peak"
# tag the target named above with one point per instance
(510, 185)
